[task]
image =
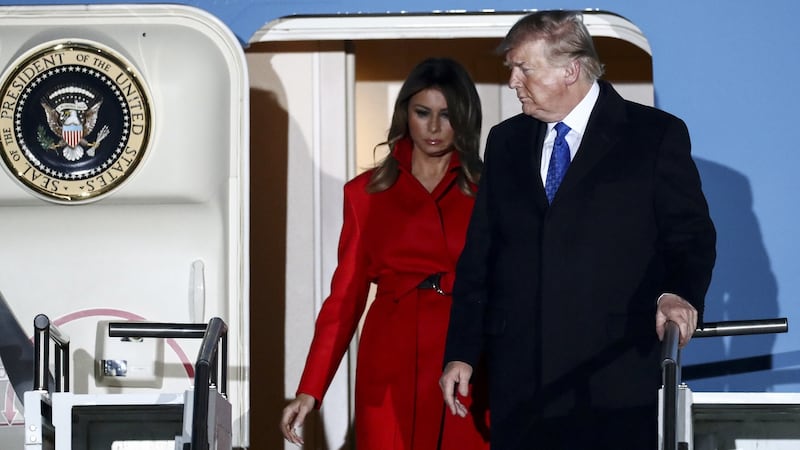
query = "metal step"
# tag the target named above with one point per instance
(745, 420)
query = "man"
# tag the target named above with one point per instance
(561, 294)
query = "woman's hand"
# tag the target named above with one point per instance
(294, 414)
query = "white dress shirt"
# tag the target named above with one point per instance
(576, 120)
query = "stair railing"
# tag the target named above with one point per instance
(209, 371)
(671, 368)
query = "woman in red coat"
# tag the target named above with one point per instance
(404, 226)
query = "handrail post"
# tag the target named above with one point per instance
(205, 375)
(41, 342)
(44, 331)
(670, 366)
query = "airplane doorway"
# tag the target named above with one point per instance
(322, 90)
(382, 64)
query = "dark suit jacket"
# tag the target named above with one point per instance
(562, 297)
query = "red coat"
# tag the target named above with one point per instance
(395, 238)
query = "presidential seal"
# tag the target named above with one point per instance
(75, 121)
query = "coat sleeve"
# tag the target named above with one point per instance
(470, 290)
(687, 237)
(342, 309)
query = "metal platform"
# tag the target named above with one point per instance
(70, 421)
(196, 419)
(725, 420)
(745, 420)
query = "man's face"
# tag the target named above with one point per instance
(540, 86)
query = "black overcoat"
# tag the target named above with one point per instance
(562, 297)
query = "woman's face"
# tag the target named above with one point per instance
(429, 123)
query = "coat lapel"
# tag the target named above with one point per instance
(534, 136)
(602, 133)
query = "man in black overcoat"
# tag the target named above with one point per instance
(566, 280)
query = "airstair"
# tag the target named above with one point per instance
(724, 420)
(196, 419)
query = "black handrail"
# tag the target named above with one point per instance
(670, 369)
(157, 330)
(206, 367)
(44, 331)
(670, 362)
(740, 327)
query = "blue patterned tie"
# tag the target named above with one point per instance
(559, 161)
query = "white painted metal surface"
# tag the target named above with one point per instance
(738, 420)
(171, 244)
(447, 25)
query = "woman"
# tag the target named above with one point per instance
(404, 226)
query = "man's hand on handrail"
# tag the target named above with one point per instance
(673, 308)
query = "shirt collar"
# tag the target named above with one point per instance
(579, 116)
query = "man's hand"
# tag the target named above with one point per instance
(456, 375)
(673, 308)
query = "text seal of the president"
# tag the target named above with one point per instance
(75, 120)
